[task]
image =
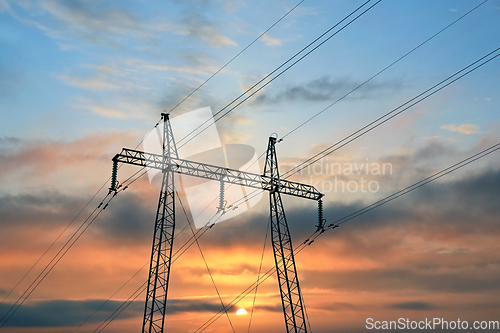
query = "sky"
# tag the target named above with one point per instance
(80, 80)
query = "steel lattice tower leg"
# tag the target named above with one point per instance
(161, 254)
(288, 280)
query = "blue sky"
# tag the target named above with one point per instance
(116, 66)
(82, 79)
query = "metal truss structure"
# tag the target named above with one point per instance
(161, 255)
(291, 297)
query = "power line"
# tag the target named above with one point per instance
(383, 70)
(419, 46)
(205, 261)
(258, 275)
(59, 255)
(237, 55)
(54, 262)
(442, 86)
(396, 113)
(421, 183)
(116, 292)
(60, 235)
(359, 212)
(122, 307)
(379, 121)
(351, 216)
(51, 245)
(278, 68)
(122, 286)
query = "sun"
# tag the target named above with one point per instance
(241, 312)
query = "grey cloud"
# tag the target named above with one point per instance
(401, 279)
(200, 27)
(57, 313)
(196, 24)
(12, 80)
(9, 142)
(463, 206)
(47, 207)
(112, 23)
(186, 305)
(412, 306)
(61, 313)
(328, 88)
(97, 23)
(128, 219)
(339, 306)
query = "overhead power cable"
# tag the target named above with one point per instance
(63, 232)
(258, 275)
(419, 184)
(393, 113)
(205, 261)
(55, 260)
(105, 302)
(399, 59)
(352, 216)
(53, 243)
(236, 56)
(121, 308)
(378, 73)
(346, 218)
(383, 70)
(59, 255)
(491, 56)
(121, 287)
(277, 69)
(389, 115)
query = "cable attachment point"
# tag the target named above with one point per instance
(114, 174)
(275, 136)
(222, 201)
(321, 220)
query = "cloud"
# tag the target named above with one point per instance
(53, 163)
(464, 128)
(440, 239)
(56, 313)
(62, 312)
(4, 6)
(98, 83)
(199, 68)
(109, 113)
(198, 26)
(103, 78)
(11, 82)
(101, 24)
(116, 25)
(411, 306)
(270, 41)
(327, 88)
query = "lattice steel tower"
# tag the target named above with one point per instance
(161, 255)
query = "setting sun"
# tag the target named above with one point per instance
(241, 312)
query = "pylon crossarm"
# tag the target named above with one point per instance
(212, 172)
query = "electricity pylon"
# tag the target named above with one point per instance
(161, 255)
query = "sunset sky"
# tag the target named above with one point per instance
(81, 79)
